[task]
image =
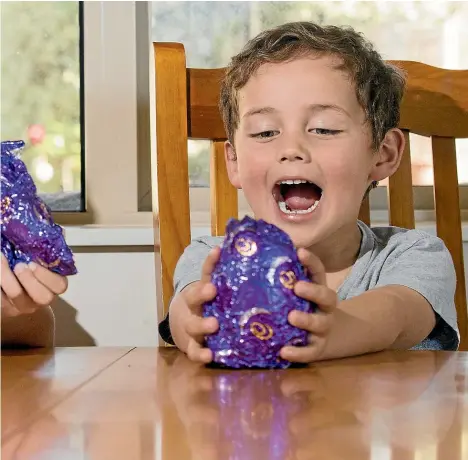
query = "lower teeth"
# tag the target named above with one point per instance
(284, 208)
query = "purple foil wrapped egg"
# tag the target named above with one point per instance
(254, 278)
(28, 230)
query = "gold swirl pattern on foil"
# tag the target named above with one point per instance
(287, 279)
(246, 246)
(261, 331)
(250, 313)
(5, 206)
(53, 264)
(45, 213)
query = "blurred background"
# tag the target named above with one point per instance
(42, 85)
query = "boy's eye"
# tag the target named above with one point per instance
(264, 134)
(324, 131)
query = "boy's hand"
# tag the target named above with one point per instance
(196, 326)
(28, 288)
(319, 323)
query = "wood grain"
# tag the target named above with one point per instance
(447, 206)
(172, 159)
(29, 380)
(400, 191)
(157, 404)
(429, 92)
(433, 100)
(205, 118)
(223, 195)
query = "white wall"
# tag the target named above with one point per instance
(113, 299)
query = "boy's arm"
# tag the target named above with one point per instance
(387, 317)
(29, 330)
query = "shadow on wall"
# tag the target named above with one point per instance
(68, 332)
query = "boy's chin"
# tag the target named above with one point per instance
(303, 242)
(303, 238)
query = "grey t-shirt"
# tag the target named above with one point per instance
(388, 255)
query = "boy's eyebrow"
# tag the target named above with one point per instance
(259, 111)
(311, 108)
(322, 107)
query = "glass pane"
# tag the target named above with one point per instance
(430, 32)
(41, 95)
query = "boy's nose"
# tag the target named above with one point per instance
(296, 154)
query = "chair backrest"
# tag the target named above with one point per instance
(435, 104)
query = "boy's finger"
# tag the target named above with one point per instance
(306, 354)
(199, 327)
(54, 282)
(313, 264)
(197, 294)
(13, 290)
(10, 283)
(209, 264)
(197, 353)
(38, 293)
(315, 323)
(320, 294)
(8, 309)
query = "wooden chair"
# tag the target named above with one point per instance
(435, 104)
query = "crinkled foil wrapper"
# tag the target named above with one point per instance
(28, 231)
(254, 278)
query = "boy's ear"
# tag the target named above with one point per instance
(231, 164)
(388, 156)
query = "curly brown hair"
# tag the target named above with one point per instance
(379, 85)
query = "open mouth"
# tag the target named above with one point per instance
(297, 196)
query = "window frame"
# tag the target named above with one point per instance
(119, 128)
(114, 121)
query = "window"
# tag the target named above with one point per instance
(430, 32)
(79, 83)
(41, 95)
(76, 86)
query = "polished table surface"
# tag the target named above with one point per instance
(148, 403)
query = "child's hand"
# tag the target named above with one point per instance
(29, 288)
(319, 323)
(197, 327)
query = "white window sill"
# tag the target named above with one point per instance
(100, 235)
(95, 235)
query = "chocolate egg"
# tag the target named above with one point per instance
(28, 230)
(255, 277)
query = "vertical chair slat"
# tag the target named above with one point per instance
(400, 191)
(172, 159)
(223, 196)
(364, 212)
(447, 206)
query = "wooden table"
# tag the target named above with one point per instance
(145, 403)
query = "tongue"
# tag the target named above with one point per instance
(301, 197)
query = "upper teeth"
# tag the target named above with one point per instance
(295, 181)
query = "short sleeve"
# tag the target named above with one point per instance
(423, 263)
(188, 268)
(187, 271)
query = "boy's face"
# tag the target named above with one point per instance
(301, 121)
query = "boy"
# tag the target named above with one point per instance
(311, 115)
(27, 292)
